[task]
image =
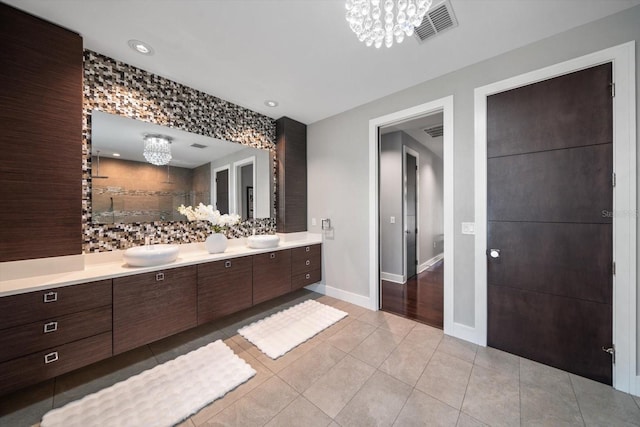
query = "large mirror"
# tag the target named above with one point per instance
(133, 179)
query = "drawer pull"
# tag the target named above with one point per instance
(307, 249)
(227, 264)
(51, 297)
(159, 277)
(50, 327)
(308, 262)
(272, 255)
(307, 276)
(51, 357)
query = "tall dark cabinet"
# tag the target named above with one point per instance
(41, 138)
(291, 147)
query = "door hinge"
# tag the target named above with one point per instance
(614, 268)
(613, 89)
(613, 179)
(612, 351)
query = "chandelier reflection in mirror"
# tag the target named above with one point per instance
(157, 150)
(382, 21)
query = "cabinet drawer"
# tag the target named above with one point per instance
(27, 370)
(26, 339)
(224, 287)
(271, 275)
(151, 306)
(305, 259)
(306, 279)
(40, 305)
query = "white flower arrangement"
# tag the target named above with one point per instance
(202, 212)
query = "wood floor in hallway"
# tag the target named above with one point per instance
(421, 298)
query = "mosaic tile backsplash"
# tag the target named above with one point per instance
(118, 88)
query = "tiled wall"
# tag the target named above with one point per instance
(118, 88)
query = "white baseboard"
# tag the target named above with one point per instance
(466, 333)
(395, 278)
(428, 263)
(340, 294)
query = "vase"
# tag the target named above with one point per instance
(216, 243)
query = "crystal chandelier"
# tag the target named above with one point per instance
(381, 21)
(156, 149)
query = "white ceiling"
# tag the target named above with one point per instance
(302, 52)
(415, 129)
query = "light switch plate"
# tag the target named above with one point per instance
(468, 228)
(313, 221)
(392, 220)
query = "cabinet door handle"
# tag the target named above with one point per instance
(50, 297)
(308, 262)
(307, 276)
(51, 357)
(272, 255)
(307, 249)
(159, 277)
(50, 327)
(227, 264)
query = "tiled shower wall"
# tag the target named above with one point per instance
(118, 88)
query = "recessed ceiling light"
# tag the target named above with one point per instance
(116, 154)
(141, 47)
(271, 103)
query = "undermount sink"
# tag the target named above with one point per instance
(150, 255)
(263, 241)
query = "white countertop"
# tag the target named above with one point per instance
(107, 265)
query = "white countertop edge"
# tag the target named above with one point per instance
(193, 254)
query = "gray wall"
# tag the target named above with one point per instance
(338, 153)
(430, 199)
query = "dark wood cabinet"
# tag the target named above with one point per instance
(271, 275)
(306, 266)
(291, 151)
(151, 306)
(41, 139)
(224, 287)
(47, 333)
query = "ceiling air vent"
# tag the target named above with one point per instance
(439, 18)
(435, 131)
(196, 145)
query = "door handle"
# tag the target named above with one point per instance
(493, 253)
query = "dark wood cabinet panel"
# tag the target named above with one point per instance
(26, 339)
(305, 259)
(305, 279)
(41, 113)
(47, 304)
(271, 275)
(24, 371)
(224, 287)
(151, 306)
(291, 150)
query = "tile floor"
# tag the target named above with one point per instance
(370, 369)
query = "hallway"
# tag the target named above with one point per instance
(421, 298)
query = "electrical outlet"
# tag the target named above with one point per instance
(392, 220)
(313, 221)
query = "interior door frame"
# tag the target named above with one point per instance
(446, 106)
(408, 150)
(624, 200)
(237, 178)
(214, 179)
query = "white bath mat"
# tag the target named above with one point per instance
(162, 396)
(280, 332)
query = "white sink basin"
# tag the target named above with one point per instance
(263, 241)
(150, 255)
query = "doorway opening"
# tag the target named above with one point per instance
(411, 211)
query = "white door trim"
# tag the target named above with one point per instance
(446, 106)
(624, 200)
(251, 160)
(408, 150)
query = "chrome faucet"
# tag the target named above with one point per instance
(147, 239)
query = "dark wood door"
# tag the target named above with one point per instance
(549, 187)
(222, 191)
(411, 175)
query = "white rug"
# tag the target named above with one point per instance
(162, 396)
(280, 332)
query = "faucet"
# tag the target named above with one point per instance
(147, 239)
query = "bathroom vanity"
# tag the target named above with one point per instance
(57, 323)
